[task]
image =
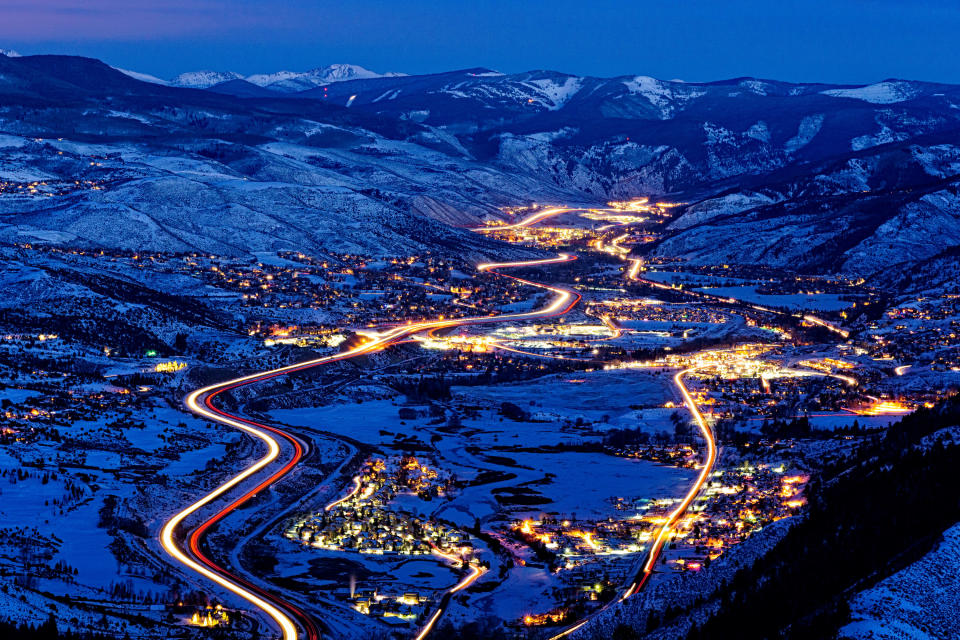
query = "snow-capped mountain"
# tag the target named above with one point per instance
(180, 170)
(452, 96)
(817, 176)
(280, 81)
(203, 79)
(290, 81)
(861, 179)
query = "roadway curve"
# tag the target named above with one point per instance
(642, 576)
(289, 618)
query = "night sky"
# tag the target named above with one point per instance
(851, 41)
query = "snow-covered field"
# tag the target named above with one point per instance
(816, 302)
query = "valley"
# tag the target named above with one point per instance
(468, 355)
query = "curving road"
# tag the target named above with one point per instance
(641, 577)
(292, 621)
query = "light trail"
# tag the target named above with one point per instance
(617, 331)
(353, 492)
(503, 347)
(810, 371)
(475, 571)
(466, 581)
(613, 247)
(429, 626)
(491, 266)
(200, 402)
(281, 613)
(526, 222)
(827, 325)
(563, 634)
(545, 214)
(677, 513)
(539, 216)
(668, 526)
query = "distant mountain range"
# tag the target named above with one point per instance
(856, 178)
(280, 81)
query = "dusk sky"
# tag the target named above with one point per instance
(855, 41)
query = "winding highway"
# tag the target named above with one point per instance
(642, 576)
(292, 622)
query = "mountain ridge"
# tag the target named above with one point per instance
(757, 156)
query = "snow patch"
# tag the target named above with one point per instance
(662, 95)
(558, 93)
(718, 135)
(939, 160)
(879, 93)
(809, 127)
(142, 77)
(755, 86)
(759, 131)
(7, 141)
(721, 206)
(128, 116)
(884, 136)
